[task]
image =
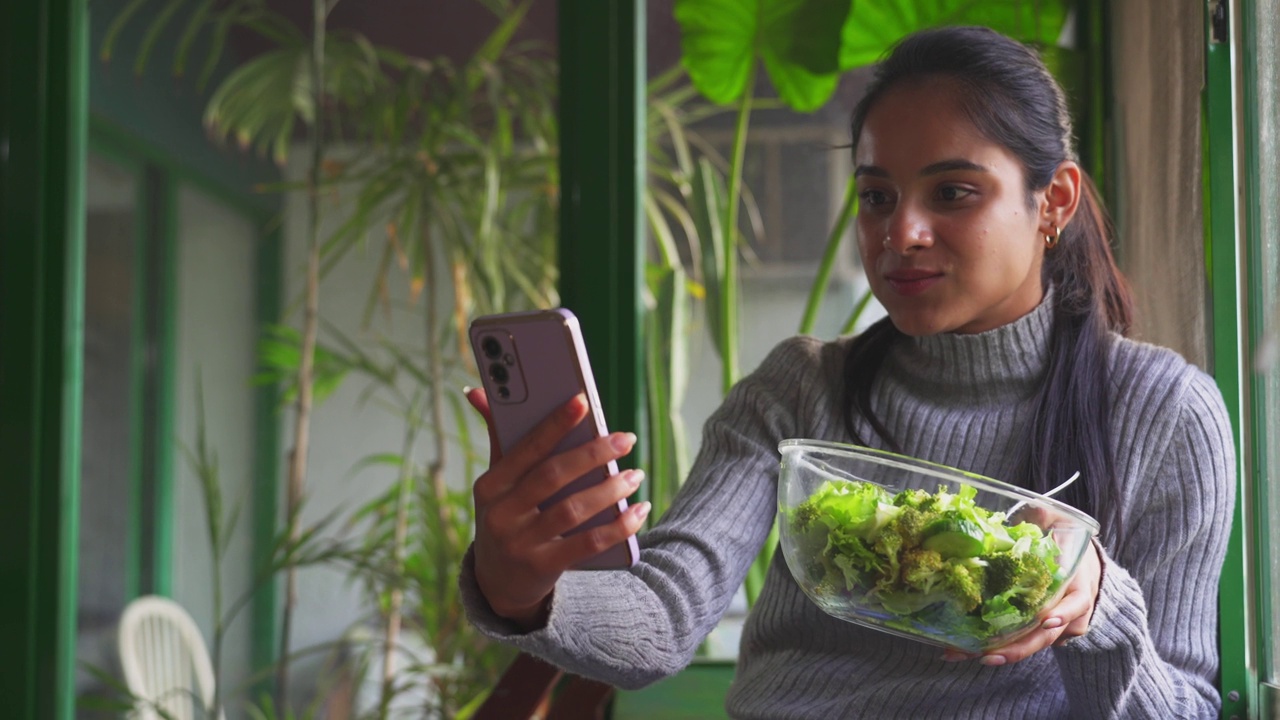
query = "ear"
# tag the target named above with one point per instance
(1058, 201)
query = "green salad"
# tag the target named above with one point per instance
(931, 563)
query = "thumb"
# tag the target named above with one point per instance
(480, 401)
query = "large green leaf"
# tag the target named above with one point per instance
(798, 41)
(874, 26)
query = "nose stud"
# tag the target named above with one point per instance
(886, 241)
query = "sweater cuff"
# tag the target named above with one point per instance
(1119, 615)
(477, 608)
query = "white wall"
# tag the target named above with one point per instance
(216, 350)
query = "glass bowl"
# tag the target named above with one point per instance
(922, 550)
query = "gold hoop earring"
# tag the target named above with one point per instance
(1051, 241)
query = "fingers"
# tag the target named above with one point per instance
(581, 506)
(567, 552)
(504, 472)
(1066, 620)
(517, 514)
(1074, 630)
(1022, 648)
(547, 477)
(517, 575)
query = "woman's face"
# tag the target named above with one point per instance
(948, 241)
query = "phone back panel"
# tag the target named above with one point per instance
(542, 363)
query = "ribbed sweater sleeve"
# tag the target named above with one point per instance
(635, 627)
(1151, 651)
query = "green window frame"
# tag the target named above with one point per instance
(164, 175)
(602, 174)
(1257, 171)
(151, 461)
(1238, 252)
(43, 115)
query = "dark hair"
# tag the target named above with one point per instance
(1013, 100)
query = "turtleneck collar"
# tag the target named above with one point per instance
(1007, 362)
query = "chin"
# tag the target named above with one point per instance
(917, 324)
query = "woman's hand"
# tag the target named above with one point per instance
(1058, 624)
(519, 551)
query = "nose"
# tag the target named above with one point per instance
(907, 230)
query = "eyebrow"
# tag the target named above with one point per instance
(934, 169)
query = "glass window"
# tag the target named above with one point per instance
(1264, 222)
(108, 574)
(216, 338)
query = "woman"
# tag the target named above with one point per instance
(1003, 354)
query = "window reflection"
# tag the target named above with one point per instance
(1266, 217)
(107, 467)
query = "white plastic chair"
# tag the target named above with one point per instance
(165, 661)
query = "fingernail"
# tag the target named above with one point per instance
(634, 477)
(466, 389)
(993, 660)
(1051, 623)
(642, 510)
(623, 442)
(573, 406)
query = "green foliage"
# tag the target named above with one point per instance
(804, 45)
(798, 42)
(873, 27)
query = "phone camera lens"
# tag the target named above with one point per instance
(504, 392)
(491, 347)
(499, 373)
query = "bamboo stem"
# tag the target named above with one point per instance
(729, 283)
(396, 600)
(443, 638)
(834, 239)
(310, 323)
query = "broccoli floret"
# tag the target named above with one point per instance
(918, 499)
(910, 524)
(1033, 585)
(1023, 579)
(1002, 573)
(921, 569)
(911, 498)
(804, 516)
(888, 545)
(964, 584)
(901, 534)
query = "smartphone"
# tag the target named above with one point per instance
(532, 363)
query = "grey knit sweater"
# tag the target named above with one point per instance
(962, 400)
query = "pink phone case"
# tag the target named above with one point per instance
(532, 363)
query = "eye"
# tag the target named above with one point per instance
(952, 193)
(873, 198)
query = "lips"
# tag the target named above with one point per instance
(912, 281)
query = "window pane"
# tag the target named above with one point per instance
(106, 487)
(1266, 219)
(216, 346)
